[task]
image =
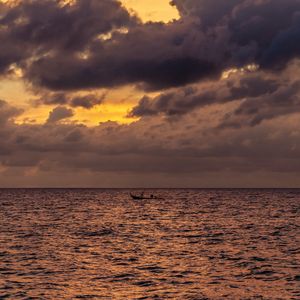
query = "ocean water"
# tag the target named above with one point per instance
(194, 244)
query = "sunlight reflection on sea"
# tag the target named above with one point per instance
(194, 244)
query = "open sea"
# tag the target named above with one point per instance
(194, 244)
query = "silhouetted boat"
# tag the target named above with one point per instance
(142, 197)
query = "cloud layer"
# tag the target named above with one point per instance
(185, 148)
(98, 44)
(225, 77)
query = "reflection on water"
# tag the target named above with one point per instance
(195, 244)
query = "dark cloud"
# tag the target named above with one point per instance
(184, 100)
(257, 97)
(191, 145)
(50, 25)
(85, 101)
(60, 47)
(284, 47)
(209, 12)
(53, 99)
(59, 113)
(284, 101)
(257, 25)
(151, 55)
(35, 28)
(8, 112)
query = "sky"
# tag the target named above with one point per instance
(150, 93)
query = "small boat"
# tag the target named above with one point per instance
(142, 197)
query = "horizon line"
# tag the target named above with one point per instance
(155, 188)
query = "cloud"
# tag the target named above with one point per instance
(184, 100)
(87, 101)
(254, 97)
(199, 122)
(285, 46)
(209, 12)
(32, 28)
(59, 113)
(191, 145)
(84, 101)
(150, 55)
(282, 100)
(93, 44)
(8, 112)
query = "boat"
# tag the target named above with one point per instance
(142, 197)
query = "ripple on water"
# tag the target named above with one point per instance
(195, 244)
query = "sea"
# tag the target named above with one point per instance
(192, 244)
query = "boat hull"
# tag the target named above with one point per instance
(135, 197)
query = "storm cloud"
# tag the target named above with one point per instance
(93, 43)
(31, 29)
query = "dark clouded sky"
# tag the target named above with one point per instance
(191, 93)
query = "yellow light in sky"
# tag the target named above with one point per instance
(248, 68)
(117, 104)
(147, 10)
(14, 91)
(121, 100)
(103, 113)
(10, 2)
(91, 117)
(152, 10)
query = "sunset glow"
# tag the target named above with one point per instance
(152, 10)
(181, 89)
(149, 149)
(20, 93)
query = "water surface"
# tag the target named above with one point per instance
(195, 244)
